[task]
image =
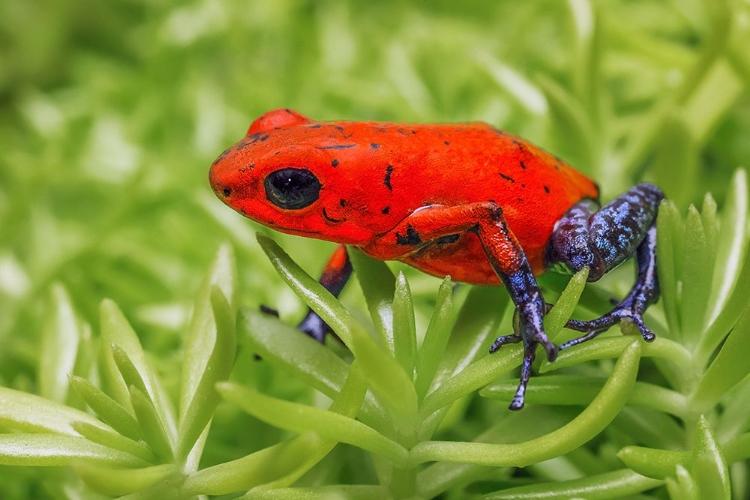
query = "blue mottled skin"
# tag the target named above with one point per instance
(604, 239)
(528, 325)
(600, 239)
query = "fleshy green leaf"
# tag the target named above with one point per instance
(385, 375)
(651, 462)
(675, 146)
(26, 412)
(282, 464)
(610, 485)
(116, 331)
(262, 467)
(377, 283)
(610, 347)
(709, 466)
(555, 320)
(151, 425)
(54, 450)
(59, 347)
(404, 329)
(107, 408)
(696, 278)
(571, 119)
(473, 377)
(129, 372)
(588, 424)
(119, 481)
(670, 241)
(732, 242)
(309, 360)
(738, 448)
(301, 418)
(727, 318)
(217, 368)
(728, 368)
(114, 440)
(475, 328)
(581, 390)
(200, 342)
(360, 492)
(435, 338)
(683, 486)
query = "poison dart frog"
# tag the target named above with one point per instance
(466, 200)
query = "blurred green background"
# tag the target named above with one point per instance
(111, 113)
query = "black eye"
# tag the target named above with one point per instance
(292, 188)
(226, 191)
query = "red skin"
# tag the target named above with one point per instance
(374, 177)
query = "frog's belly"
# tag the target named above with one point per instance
(464, 260)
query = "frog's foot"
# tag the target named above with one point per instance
(314, 326)
(531, 336)
(629, 311)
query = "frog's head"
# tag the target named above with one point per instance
(278, 176)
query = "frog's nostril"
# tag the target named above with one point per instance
(226, 191)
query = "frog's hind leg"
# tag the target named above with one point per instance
(602, 239)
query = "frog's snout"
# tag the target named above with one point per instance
(220, 179)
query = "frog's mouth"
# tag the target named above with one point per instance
(282, 229)
(333, 220)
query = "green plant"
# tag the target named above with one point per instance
(391, 398)
(111, 113)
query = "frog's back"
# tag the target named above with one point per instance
(421, 165)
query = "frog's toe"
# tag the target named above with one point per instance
(628, 312)
(579, 340)
(550, 348)
(637, 319)
(505, 339)
(314, 326)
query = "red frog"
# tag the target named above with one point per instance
(466, 200)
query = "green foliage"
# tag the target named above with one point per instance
(122, 374)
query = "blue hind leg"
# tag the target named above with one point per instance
(602, 240)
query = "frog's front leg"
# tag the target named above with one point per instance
(334, 277)
(602, 239)
(485, 219)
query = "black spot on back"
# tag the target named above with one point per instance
(387, 179)
(337, 146)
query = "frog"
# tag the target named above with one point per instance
(465, 200)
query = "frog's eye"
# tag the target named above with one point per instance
(292, 188)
